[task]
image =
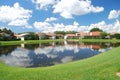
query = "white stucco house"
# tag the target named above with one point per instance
(21, 36)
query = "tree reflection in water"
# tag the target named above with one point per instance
(7, 49)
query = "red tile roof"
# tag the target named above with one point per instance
(20, 35)
(50, 34)
(96, 33)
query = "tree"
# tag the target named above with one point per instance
(63, 32)
(7, 34)
(8, 31)
(71, 32)
(2, 37)
(103, 35)
(0, 30)
(117, 36)
(60, 32)
(32, 36)
(96, 29)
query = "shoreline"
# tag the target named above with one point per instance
(5, 43)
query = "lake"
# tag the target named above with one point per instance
(48, 54)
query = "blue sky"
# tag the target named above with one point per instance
(60, 15)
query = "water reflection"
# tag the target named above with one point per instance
(47, 54)
(7, 49)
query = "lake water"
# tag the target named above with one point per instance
(48, 54)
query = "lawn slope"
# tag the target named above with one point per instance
(100, 67)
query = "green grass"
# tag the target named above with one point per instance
(101, 67)
(96, 40)
(4, 43)
(101, 40)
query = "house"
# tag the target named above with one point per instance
(47, 35)
(95, 34)
(21, 36)
(82, 34)
(59, 36)
(69, 36)
(41, 35)
(50, 36)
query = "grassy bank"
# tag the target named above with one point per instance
(3, 43)
(100, 67)
(96, 40)
(101, 40)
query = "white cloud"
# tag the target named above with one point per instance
(76, 23)
(96, 9)
(43, 26)
(62, 27)
(69, 8)
(115, 27)
(51, 27)
(17, 22)
(99, 25)
(15, 16)
(83, 29)
(47, 27)
(51, 19)
(114, 14)
(43, 4)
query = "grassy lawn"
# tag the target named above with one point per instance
(3, 43)
(101, 40)
(100, 67)
(96, 40)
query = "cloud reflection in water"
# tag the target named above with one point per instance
(47, 56)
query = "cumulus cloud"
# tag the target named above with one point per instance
(114, 14)
(15, 16)
(47, 27)
(69, 8)
(83, 29)
(43, 26)
(43, 4)
(51, 19)
(51, 27)
(115, 27)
